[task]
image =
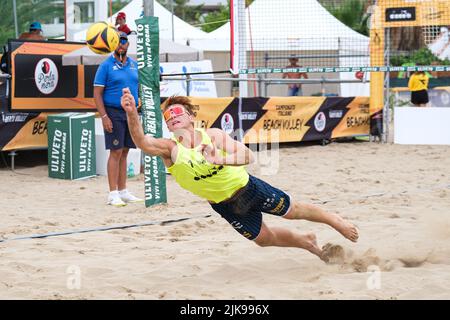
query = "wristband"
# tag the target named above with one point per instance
(105, 115)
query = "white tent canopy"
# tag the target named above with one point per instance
(183, 31)
(296, 25)
(312, 22)
(168, 52)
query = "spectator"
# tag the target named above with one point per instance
(294, 89)
(114, 74)
(121, 20)
(35, 32)
(418, 85)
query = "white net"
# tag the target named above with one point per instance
(278, 33)
(274, 36)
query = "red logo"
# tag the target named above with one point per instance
(45, 67)
(359, 75)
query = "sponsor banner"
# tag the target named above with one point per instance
(179, 88)
(261, 120)
(354, 120)
(40, 82)
(344, 69)
(71, 145)
(407, 13)
(400, 14)
(148, 64)
(23, 131)
(83, 147)
(285, 119)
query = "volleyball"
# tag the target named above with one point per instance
(102, 38)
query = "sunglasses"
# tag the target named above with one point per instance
(173, 112)
(123, 41)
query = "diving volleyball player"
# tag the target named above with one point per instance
(210, 164)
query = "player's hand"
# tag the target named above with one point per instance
(107, 124)
(127, 101)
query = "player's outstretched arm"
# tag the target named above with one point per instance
(151, 146)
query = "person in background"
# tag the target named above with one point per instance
(418, 85)
(115, 73)
(121, 22)
(35, 32)
(294, 89)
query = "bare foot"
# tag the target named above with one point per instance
(346, 228)
(311, 244)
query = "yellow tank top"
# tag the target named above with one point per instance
(418, 82)
(212, 182)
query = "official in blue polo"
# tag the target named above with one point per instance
(116, 73)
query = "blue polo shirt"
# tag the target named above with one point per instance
(114, 76)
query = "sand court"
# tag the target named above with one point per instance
(398, 196)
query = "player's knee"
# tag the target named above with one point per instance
(294, 211)
(115, 154)
(124, 153)
(265, 238)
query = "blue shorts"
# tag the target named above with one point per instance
(295, 91)
(120, 136)
(244, 210)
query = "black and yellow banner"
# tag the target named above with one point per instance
(285, 119)
(23, 130)
(261, 120)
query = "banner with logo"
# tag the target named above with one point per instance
(40, 82)
(71, 141)
(148, 65)
(284, 119)
(261, 120)
(23, 130)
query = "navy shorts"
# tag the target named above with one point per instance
(120, 136)
(244, 211)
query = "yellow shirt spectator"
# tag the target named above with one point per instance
(418, 81)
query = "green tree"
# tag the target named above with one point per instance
(28, 11)
(213, 20)
(118, 5)
(190, 14)
(352, 13)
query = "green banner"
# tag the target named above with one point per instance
(71, 145)
(148, 65)
(343, 69)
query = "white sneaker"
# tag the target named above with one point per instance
(114, 199)
(126, 196)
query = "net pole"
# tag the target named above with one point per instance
(238, 50)
(148, 8)
(16, 28)
(386, 106)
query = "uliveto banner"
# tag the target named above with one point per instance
(148, 65)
